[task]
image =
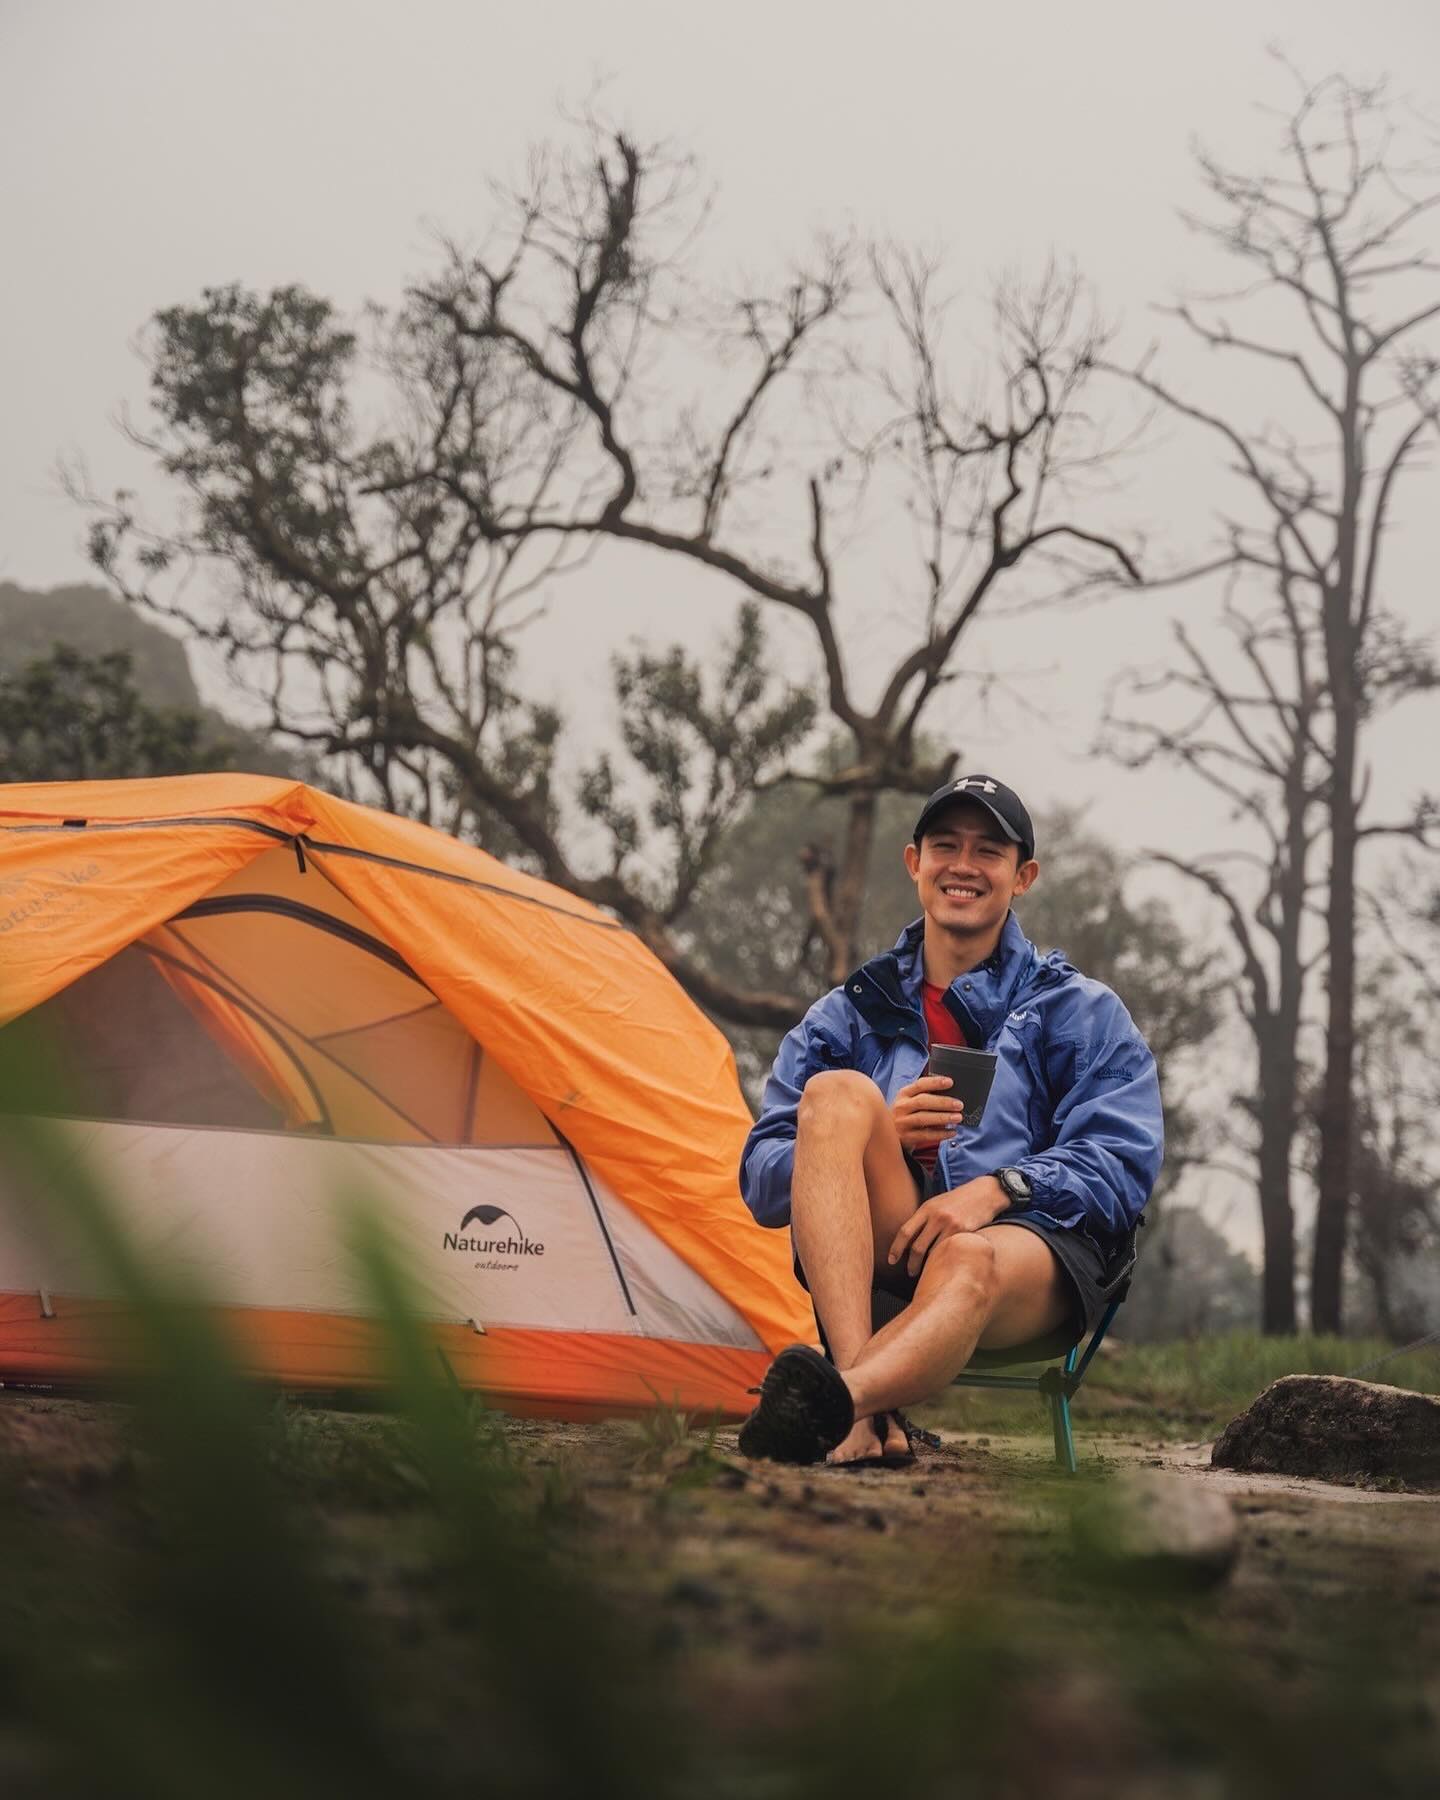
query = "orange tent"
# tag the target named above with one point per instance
(265, 998)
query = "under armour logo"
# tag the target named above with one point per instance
(975, 781)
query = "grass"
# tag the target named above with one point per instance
(1182, 1391)
(468, 1604)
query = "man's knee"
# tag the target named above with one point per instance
(966, 1259)
(835, 1094)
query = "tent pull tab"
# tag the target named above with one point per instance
(47, 1306)
(299, 844)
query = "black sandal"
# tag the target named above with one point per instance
(804, 1409)
(916, 1434)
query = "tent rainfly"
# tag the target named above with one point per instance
(266, 1000)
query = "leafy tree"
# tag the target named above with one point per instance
(70, 717)
(151, 681)
(578, 384)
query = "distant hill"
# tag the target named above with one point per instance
(92, 621)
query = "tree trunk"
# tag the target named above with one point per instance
(1279, 1035)
(1379, 1274)
(1337, 1094)
(1277, 1217)
(1342, 632)
(851, 882)
(1342, 656)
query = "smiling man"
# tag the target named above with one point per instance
(990, 1235)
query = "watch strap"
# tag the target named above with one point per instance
(1017, 1189)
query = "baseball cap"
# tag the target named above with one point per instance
(1002, 803)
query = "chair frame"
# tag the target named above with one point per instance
(1057, 1386)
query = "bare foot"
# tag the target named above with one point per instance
(896, 1442)
(862, 1444)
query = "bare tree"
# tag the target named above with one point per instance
(1250, 727)
(573, 385)
(1340, 302)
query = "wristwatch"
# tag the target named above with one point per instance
(1017, 1188)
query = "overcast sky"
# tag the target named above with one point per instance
(158, 146)
(154, 147)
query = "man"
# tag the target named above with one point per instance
(990, 1236)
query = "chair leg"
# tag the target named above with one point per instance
(1064, 1437)
(1060, 1420)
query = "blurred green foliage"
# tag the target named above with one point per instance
(228, 1664)
(232, 1595)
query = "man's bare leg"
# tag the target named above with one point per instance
(992, 1289)
(850, 1193)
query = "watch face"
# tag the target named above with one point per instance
(1015, 1184)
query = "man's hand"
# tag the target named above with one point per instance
(924, 1113)
(966, 1208)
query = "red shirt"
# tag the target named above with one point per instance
(944, 1028)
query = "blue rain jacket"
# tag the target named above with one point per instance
(1076, 1100)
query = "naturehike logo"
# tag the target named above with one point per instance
(49, 896)
(511, 1244)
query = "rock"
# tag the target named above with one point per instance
(1151, 1530)
(1177, 1527)
(1359, 1432)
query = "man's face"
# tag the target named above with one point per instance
(966, 871)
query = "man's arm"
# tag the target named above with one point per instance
(922, 1111)
(969, 1207)
(768, 1159)
(1109, 1134)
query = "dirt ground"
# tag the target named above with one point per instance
(770, 1596)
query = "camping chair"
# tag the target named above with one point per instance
(1057, 1385)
